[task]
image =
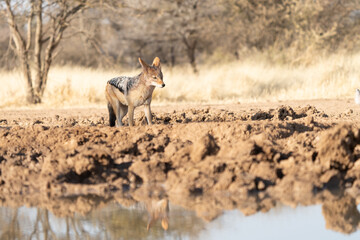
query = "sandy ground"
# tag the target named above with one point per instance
(207, 158)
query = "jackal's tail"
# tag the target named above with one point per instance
(112, 116)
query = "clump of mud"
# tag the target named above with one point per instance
(287, 113)
(336, 147)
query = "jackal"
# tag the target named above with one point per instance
(124, 94)
(158, 210)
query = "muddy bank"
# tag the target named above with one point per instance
(339, 208)
(292, 155)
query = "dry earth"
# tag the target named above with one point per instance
(207, 158)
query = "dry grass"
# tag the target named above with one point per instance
(251, 80)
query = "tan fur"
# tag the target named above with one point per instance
(158, 209)
(156, 62)
(139, 94)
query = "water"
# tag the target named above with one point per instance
(115, 221)
(282, 223)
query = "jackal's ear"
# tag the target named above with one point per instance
(156, 62)
(143, 63)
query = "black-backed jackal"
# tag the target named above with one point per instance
(158, 210)
(124, 94)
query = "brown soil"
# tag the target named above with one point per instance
(245, 156)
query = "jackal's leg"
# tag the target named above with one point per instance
(131, 115)
(112, 116)
(147, 111)
(118, 114)
(123, 111)
(111, 105)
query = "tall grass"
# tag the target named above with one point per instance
(253, 79)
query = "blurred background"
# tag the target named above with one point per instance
(210, 50)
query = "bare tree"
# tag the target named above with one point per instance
(188, 19)
(191, 23)
(172, 28)
(35, 48)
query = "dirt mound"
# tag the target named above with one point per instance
(293, 154)
(287, 113)
(97, 118)
(336, 147)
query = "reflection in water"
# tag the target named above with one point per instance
(158, 209)
(341, 215)
(111, 222)
(10, 225)
(142, 216)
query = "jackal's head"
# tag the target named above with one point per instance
(153, 75)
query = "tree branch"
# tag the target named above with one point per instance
(21, 52)
(38, 43)
(18, 39)
(29, 27)
(58, 25)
